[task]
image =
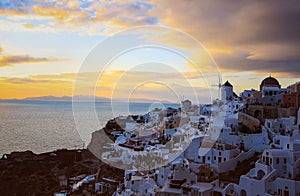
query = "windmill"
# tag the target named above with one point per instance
(181, 99)
(219, 85)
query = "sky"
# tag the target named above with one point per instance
(45, 46)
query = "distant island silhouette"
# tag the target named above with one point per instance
(84, 98)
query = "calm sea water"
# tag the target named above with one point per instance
(42, 126)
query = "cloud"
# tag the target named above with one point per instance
(268, 31)
(20, 59)
(240, 62)
(91, 17)
(27, 80)
(223, 23)
(29, 87)
(16, 80)
(10, 60)
(117, 84)
(257, 36)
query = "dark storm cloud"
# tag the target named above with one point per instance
(240, 62)
(267, 31)
(269, 21)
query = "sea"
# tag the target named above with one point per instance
(43, 126)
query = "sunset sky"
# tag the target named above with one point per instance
(44, 43)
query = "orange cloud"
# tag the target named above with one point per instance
(72, 16)
(28, 25)
(59, 14)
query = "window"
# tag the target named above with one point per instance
(220, 153)
(208, 158)
(288, 146)
(215, 158)
(284, 160)
(277, 160)
(270, 161)
(224, 159)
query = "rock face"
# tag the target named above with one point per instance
(102, 138)
(26, 173)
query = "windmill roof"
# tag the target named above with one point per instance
(227, 84)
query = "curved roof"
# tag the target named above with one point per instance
(270, 81)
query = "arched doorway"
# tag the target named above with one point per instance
(243, 192)
(260, 174)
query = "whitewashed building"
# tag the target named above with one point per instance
(138, 184)
(277, 172)
(220, 152)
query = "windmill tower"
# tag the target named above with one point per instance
(227, 91)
